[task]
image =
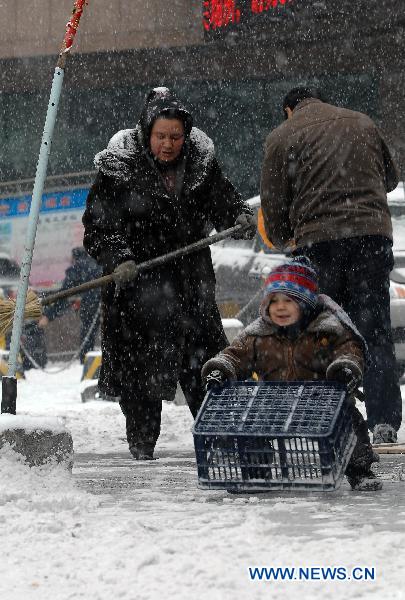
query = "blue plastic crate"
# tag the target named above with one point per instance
(274, 436)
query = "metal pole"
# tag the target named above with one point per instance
(8, 402)
(9, 382)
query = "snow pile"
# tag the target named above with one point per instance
(40, 510)
(144, 531)
(30, 424)
(45, 489)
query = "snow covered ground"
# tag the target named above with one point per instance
(116, 528)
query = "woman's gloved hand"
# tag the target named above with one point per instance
(248, 223)
(125, 272)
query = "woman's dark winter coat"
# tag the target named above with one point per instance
(163, 326)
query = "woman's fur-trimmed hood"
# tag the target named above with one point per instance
(128, 153)
(125, 156)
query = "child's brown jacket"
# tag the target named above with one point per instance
(329, 339)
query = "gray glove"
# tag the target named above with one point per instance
(125, 272)
(248, 223)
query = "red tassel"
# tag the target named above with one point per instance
(73, 24)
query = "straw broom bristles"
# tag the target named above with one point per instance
(33, 310)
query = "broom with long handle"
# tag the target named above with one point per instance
(34, 305)
(9, 383)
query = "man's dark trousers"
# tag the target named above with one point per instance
(355, 273)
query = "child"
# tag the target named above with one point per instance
(301, 335)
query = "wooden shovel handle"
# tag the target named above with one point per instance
(149, 264)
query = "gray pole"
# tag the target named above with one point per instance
(9, 383)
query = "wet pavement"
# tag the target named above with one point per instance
(148, 485)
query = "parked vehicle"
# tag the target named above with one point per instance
(396, 201)
(241, 266)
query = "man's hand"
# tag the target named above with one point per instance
(125, 272)
(248, 223)
(214, 379)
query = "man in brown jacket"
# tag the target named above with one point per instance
(324, 184)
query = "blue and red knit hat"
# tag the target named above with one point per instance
(295, 278)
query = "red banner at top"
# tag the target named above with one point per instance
(73, 24)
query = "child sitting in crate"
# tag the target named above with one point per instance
(301, 335)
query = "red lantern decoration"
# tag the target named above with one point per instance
(220, 13)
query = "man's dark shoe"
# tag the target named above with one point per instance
(366, 482)
(384, 434)
(375, 456)
(142, 451)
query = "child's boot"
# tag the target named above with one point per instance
(365, 482)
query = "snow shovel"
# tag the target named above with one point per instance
(34, 305)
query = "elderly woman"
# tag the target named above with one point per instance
(159, 187)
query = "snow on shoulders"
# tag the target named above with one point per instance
(121, 148)
(161, 90)
(119, 140)
(204, 143)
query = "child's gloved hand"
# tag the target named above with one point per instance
(342, 373)
(214, 379)
(346, 376)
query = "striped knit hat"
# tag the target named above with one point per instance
(295, 278)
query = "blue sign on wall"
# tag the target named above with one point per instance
(65, 200)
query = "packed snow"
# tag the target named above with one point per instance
(117, 528)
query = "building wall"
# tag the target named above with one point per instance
(36, 27)
(233, 81)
